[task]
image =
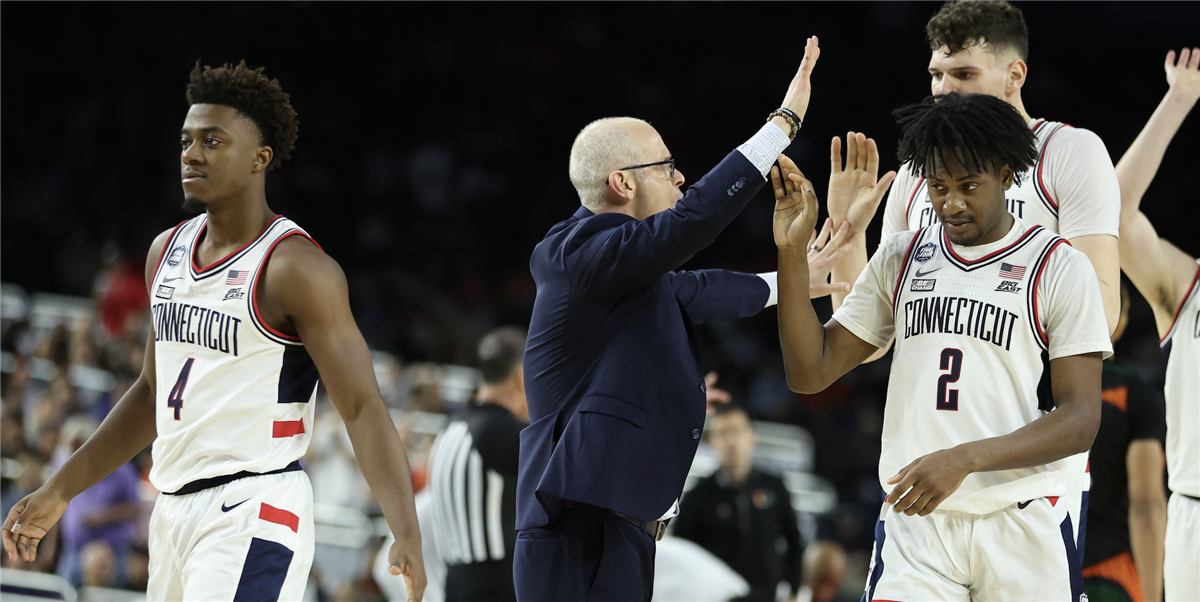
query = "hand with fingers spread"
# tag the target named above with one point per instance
(824, 252)
(856, 191)
(795, 205)
(1184, 76)
(928, 481)
(29, 520)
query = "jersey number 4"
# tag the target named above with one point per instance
(947, 398)
(175, 399)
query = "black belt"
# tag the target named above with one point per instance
(202, 484)
(655, 529)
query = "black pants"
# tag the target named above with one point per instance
(491, 581)
(582, 556)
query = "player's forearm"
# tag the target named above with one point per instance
(384, 462)
(801, 334)
(127, 430)
(850, 267)
(1064, 432)
(1147, 531)
(1137, 167)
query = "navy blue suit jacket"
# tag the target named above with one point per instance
(612, 366)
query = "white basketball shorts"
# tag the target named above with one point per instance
(1023, 552)
(249, 539)
(1181, 569)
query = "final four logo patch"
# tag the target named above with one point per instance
(925, 253)
(176, 256)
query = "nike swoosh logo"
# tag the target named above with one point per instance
(173, 279)
(921, 274)
(225, 508)
(1022, 505)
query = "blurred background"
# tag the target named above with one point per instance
(432, 157)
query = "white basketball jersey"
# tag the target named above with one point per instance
(1030, 200)
(971, 325)
(232, 394)
(1182, 392)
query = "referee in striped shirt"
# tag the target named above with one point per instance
(473, 477)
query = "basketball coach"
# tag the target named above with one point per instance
(612, 365)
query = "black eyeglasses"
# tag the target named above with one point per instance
(670, 162)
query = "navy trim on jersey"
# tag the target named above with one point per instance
(252, 299)
(162, 255)
(1031, 303)
(1039, 184)
(297, 376)
(1166, 340)
(972, 265)
(202, 484)
(215, 269)
(1074, 558)
(263, 572)
(908, 255)
(877, 570)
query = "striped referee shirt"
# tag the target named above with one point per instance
(473, 478)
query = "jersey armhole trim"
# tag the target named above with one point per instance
(912, 197)
(166, 247)
(904, 268)
(1040, 185)
(1179, 310)
(255, 317)
(1035, 319)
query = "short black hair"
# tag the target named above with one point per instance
(961, 24)
(500, 353)
(978, 130)
(251, 93)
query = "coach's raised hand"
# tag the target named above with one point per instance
(800, 89)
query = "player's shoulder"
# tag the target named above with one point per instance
(154, 255)
(1059, 137)
(897, 243)
(1062, 258)
(296, 256)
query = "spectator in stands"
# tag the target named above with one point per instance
(474, 465)
(99, 565)
(824, 568)
(740, 514)
(1127, 508)
(105, 512)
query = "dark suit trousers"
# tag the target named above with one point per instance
(584, 556)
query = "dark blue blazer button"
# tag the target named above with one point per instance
(695, 433)
(703, 388)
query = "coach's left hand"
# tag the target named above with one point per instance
(929, 480)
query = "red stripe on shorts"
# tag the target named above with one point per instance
(287, 428)
(271, 514)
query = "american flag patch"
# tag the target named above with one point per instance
(1012, 272)
(237, 277)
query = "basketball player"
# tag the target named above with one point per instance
(980, 47)
(973, 463)
(247, 313)
(1168, 278)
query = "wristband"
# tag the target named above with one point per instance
(789, 116)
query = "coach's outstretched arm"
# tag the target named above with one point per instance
(127, 430)
(311, 289)
(1161, 271)
(814, 355)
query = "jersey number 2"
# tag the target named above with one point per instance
(175, 399)
(947, 398)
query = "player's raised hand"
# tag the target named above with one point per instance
(1184, 76)
(824, 252)
(28, 522)
(799, 90)
(928, 481)
(795, 205)
(856, 191)
(405, 559)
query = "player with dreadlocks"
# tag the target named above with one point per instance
(971, 465)
(248, 312)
